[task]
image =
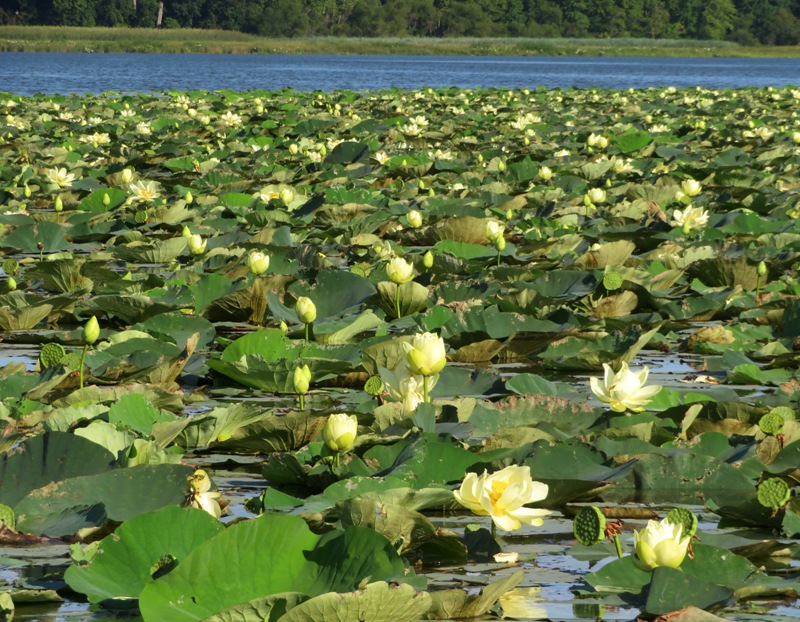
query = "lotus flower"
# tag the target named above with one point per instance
(399, 271)
(414, 219)
(690, 218)
(306, 310)
(426, 354)
(493, 231)
(502, 496)
(624, 390)
(197, 245)
(60, 177)
(340, 432)
(691, 187)
(258, 262)
(660, 544)
(200, 493)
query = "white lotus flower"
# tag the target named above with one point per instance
(690, 218)
(60, 177)
(624, 390)
(660, 544)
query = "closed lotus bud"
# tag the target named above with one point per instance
(106, 199)
(501, 166)
(509, 214)
(414, 219)
(186, 232)
(427, 260)
(340, 432)
(545, 173)
(399, 271)
(691, 187)
(301, 379)
(596, 195)
(426, 354)
(796, 138)
(293, 149)
(188, 197)
(127, 176)
(91, 331)
(58, 205)
(284, 327)
(191, 112)
(500, 243)
(27, 192)
(762, 268)
(493, 231)
(197, 245)
(12, 283)
(306, 310)
(258, 262)
(287, 196)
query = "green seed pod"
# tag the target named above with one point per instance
(589, 526)
(72, 361)
(140, 217)
(771, 423)
(50, 355)
(773, 493)
(784, 411)
(373, 385)
(685, 518)
(612, 280)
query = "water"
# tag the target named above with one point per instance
(26, 73)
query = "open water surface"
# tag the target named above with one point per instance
(27, 73)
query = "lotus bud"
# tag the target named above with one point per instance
(301, 379)
(106, 199)
(191, 112)
(414, 219)
(501, 166)
(509, 214)
(500, 243)
(545, 173)
(796, 138)
(127, 176)
(58, 205)
(427, 260)
(188, 198)
(596, 195)
(293, 149)
(426, 354)
(691, 187)
(493, 231)
(284, 327)
(197, 245)
(340, 432)
(287, 196)
(186, 232)
(258, 262)
(421, 184)
(27, 192)
(12, 283)
(91, 331)
(399, 271)
(306, 310)
(762, 268)
(480, 158)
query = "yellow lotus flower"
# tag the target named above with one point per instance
(690, 218)
(691, 187)
(60, 177)
(145, 191)
(306, 310)
(399, 271)
(301, 379)
(596, 195)
(624, 390)
(426, 354)
(493, 231)
(660, 544)
(545, 173)
(258, 262)
(414, 219)
(405, 387)
(197, 244)
(200, 494)
(503, 495)
(340, 432)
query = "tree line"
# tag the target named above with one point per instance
(749, 22)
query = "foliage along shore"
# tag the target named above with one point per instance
(184, 41)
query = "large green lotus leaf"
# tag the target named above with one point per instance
(563, 285)
(406, 529)
(24, 318)
(131, 309)
(268, 555)
(685, 471)
(457, 604)
(60, 508)
(580, 353)
(285, 432)
(671, 590)
(126, 560)
(465, 250)
(264, 609)
(271, 344)
(344, 330)
(27, 238)
(278, 377)
(158, 252)
(135, 412)
(568, 416)
(360, 486)
(462, 382)
(107, 435)
(786, 461)
(348, 152)
(94, 201)
(66, 275)
(413, 297)
(531, 383)
(424, 461)
(376, 602)
(47, 458)
(720, 565)
(632, 140)
(170, 398)
(618, 577)
(211, 287)
(221, 423)
(334, 293)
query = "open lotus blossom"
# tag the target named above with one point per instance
(144, 191)
(399, 271)
(690, 218)
(60, 177)
(660, 544)
(426, 355)
(503, 495)
(200, 495)
(624, 390)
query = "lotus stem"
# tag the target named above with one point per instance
(83, 359)
(302, 401)
(425, 397)
(758, 285)
(618, 546)
(337, 459)
(397, 301)
(494, 531)
(498, 259)
(307, 330)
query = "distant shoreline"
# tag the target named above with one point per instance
(183, 41)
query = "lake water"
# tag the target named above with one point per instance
(26, 73)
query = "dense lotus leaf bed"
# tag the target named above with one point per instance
(548, 237)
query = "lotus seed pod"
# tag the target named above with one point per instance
(91, 331)
(784, 411)
(51, 355)
(685, 518)
(373, 385)
(589, 526)
(140, 217)
(771, 423)
(773, 493)
(106, 199)
(72, 361)
(612, 280)
(58, 205)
